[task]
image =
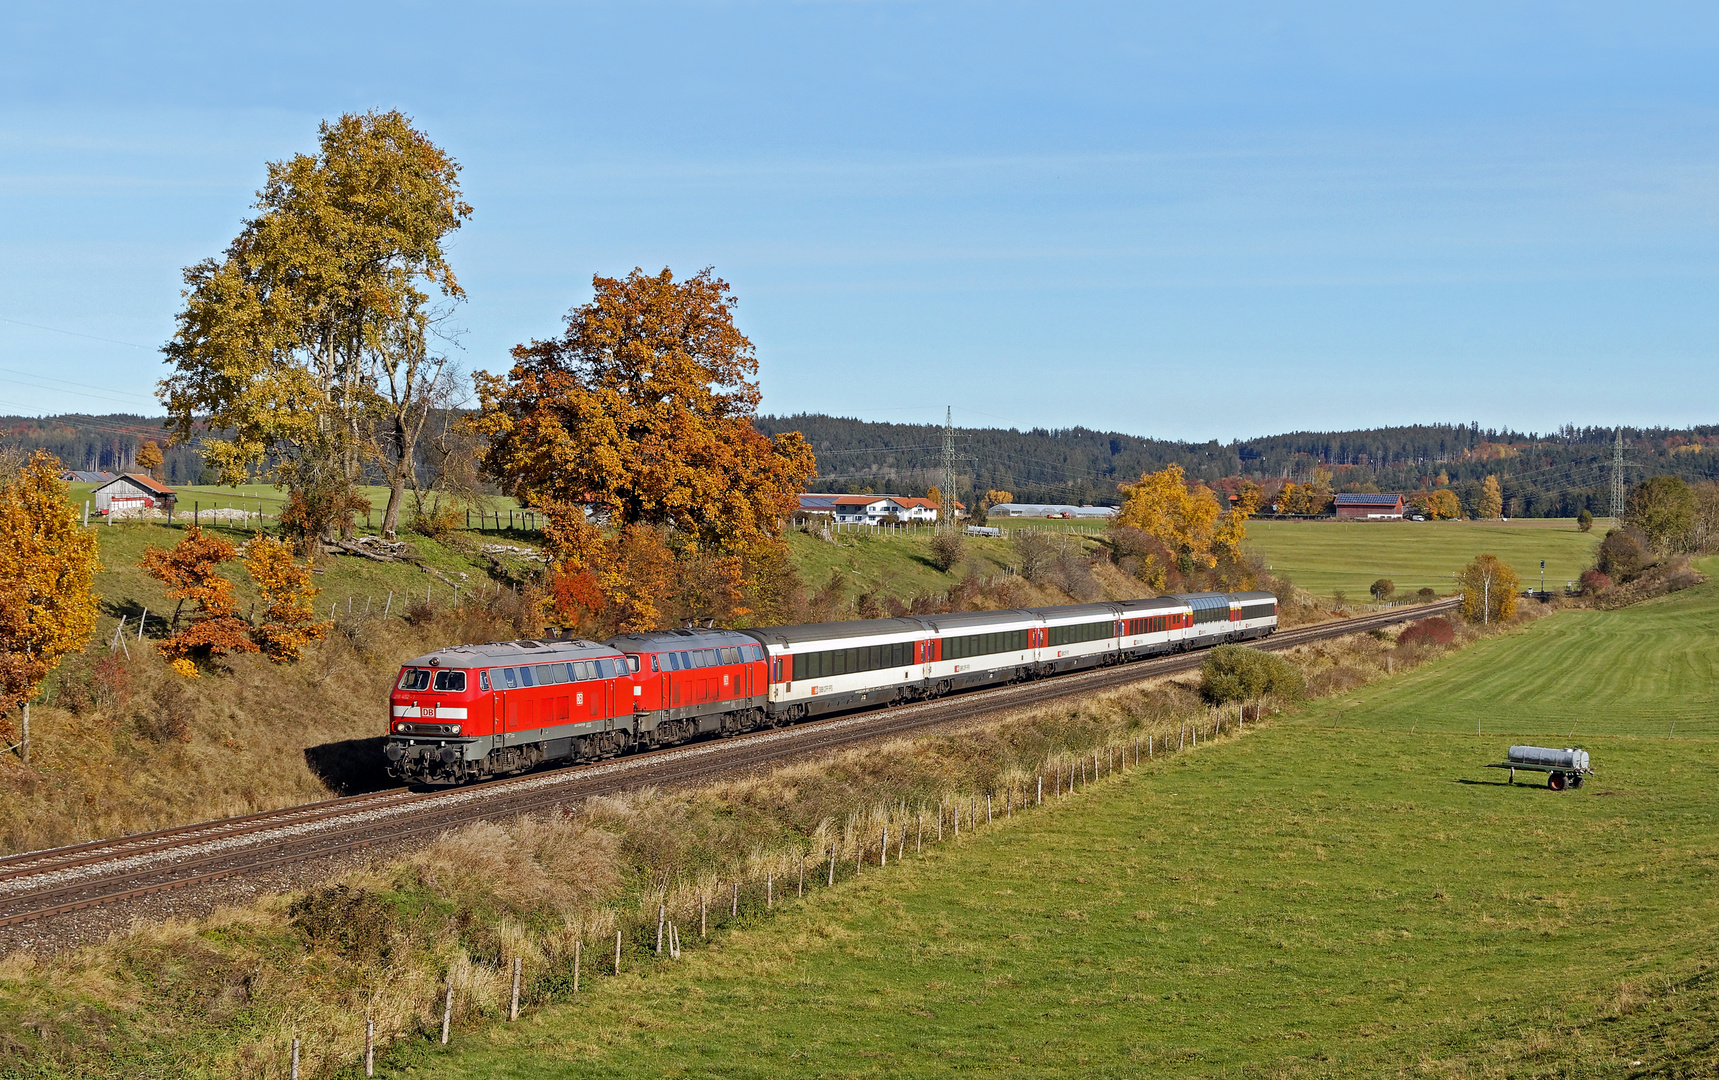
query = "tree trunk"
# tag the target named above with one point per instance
(391, 516)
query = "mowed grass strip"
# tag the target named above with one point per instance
(1298, 902)
(1651, 670)
(1325, 557)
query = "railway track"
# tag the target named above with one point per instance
(43, 884)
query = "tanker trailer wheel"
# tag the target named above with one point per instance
(1555, 781)
(1576, 780)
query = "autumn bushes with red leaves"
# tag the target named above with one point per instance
(213, 627)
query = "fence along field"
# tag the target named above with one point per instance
(1305, 900)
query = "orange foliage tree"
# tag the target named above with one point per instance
(638, 420)
(47, 570)
(289, 618)
(188, 571)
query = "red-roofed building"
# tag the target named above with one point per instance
(132, 491)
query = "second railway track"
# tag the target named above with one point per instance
(58, 881)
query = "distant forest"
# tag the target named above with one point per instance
(1550, 475)
(1542, 475)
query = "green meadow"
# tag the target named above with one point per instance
(1345, 892)
(1325, 557)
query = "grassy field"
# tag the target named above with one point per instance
(1325, 557)
(1348, 892)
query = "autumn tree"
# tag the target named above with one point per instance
(1663, 507)
(1443, 505)
(1489, 587)
(149, 457)
(1185, 522)
(639, 417)
(308, 342)
(188, 571)
(1584, 520)
(995, 496)
(1383, 589)
(1491, 504)
(289, 617)
(47, 572)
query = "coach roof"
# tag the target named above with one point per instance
(789, 636)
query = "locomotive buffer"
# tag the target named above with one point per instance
(1563, 768)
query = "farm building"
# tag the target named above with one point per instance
(1369, 507)
(871, 509)
(84, 476)
(132, 491)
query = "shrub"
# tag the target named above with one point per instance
(946, 549)
(435, 522)
(1595, 582)
(1036, 553)
(1623, 555)
(1585, 520)
(1426, 595)
(1236, 673)
(1427, 632)
(420, 613)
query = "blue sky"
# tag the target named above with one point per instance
(1189, 221)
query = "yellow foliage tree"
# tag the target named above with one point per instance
(47, 570)
(289, 616)
(149, 457)
(1184, 521)
(995, 496)
(1489, 587)
(1443, 505)
(1491, 500)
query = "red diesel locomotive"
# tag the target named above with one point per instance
(471, 711)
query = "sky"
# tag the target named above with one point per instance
(1188, 221)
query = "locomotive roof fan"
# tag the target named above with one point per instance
(1563, 768)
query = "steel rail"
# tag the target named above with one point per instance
(390, 816)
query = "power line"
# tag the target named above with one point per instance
(74, 333)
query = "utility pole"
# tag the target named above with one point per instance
(1617, 477)
(949, 466)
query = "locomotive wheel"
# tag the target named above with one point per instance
(1555, 781)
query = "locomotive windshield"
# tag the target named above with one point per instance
(450, 680)
(414, 678)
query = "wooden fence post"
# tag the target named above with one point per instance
(662, 913)
(617, 952)
(832, 864)
(919, 836)
(883, 851)
(578, 944)
(703, 916)
(734, 912)
(802, 887)
(295, 1057)
(1041, 789)
(369, 1046)
(518, 970)
(448, 1006)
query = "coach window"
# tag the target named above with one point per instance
(451, 681)
(730, 655)
(525, 677)
(508, 678)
